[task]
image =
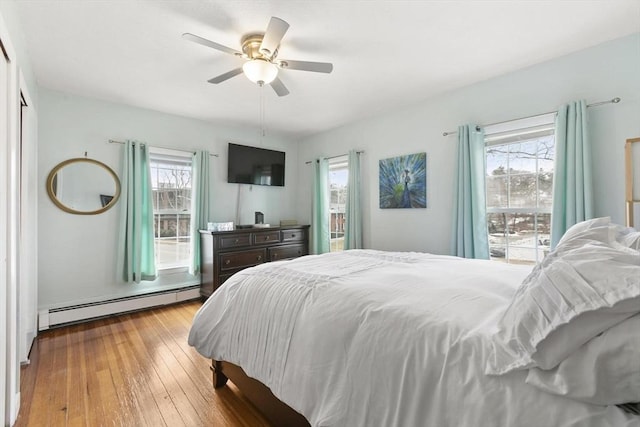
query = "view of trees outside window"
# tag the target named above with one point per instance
(519, 185)
(171, 184)
(338, 177)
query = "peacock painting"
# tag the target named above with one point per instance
(403, 182)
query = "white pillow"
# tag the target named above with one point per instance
(585, 226)
(604, 371)
(630, 238)
(586, 285)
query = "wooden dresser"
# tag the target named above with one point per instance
(224, 253)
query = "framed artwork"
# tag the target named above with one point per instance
(403, 182)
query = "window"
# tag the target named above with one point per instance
(171, 184)
(519, 183)
(338, 177)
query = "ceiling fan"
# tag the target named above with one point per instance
(261, 51)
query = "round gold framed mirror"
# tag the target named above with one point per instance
(83, 186)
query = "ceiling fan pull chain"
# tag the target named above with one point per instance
(262, 131)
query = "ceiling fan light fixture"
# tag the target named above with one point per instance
(260, 51)
(260, 71)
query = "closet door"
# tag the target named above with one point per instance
(28, 220)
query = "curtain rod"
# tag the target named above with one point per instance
(113, 141)
(334, 157)
(595, 104)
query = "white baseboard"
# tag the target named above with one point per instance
(30, 337)
(14, 408)
(43, 320)
(59, 316)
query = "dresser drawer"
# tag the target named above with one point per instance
(234, 241)
(225, 253)
(266, 237)
(287, 252)
(234, 260)
(292, 235)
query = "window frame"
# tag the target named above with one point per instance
(338, 163)
(178, 156)
(508, 134)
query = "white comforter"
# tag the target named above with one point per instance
(369, 338)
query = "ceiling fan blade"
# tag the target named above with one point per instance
(225, 76)
(273, 36)
(279, 87)
(209, 43)
(318, 67)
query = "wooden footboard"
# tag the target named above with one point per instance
(276, 411)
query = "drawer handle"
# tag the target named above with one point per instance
(236, 241)
(259, 257)
(227, 262)
(267, 237)
(293, 235)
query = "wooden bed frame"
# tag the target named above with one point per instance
(276, 411)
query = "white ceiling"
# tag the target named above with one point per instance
(386, 54)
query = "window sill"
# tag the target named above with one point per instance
(167, 280)
(173, 270)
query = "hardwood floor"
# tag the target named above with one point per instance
(132, 370)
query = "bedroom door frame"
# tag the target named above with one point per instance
(9, 225)
(4, 189)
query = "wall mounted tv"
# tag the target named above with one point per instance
(257, 166)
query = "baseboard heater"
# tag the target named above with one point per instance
(55, 317)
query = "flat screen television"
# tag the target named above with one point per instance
(257, 166)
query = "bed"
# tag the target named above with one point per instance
(372, 338)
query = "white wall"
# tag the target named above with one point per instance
(595, 74)
(77, 260)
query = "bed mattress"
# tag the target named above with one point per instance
(371, 338)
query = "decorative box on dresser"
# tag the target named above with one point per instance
(224, 253)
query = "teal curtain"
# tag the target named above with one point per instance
(572, 177)
(353, 213)
(320, 239)
(136, 255)
(199, 205)
(469, 237)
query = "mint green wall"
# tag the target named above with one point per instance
(595, 74)
(77, 252)
(74, 270)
